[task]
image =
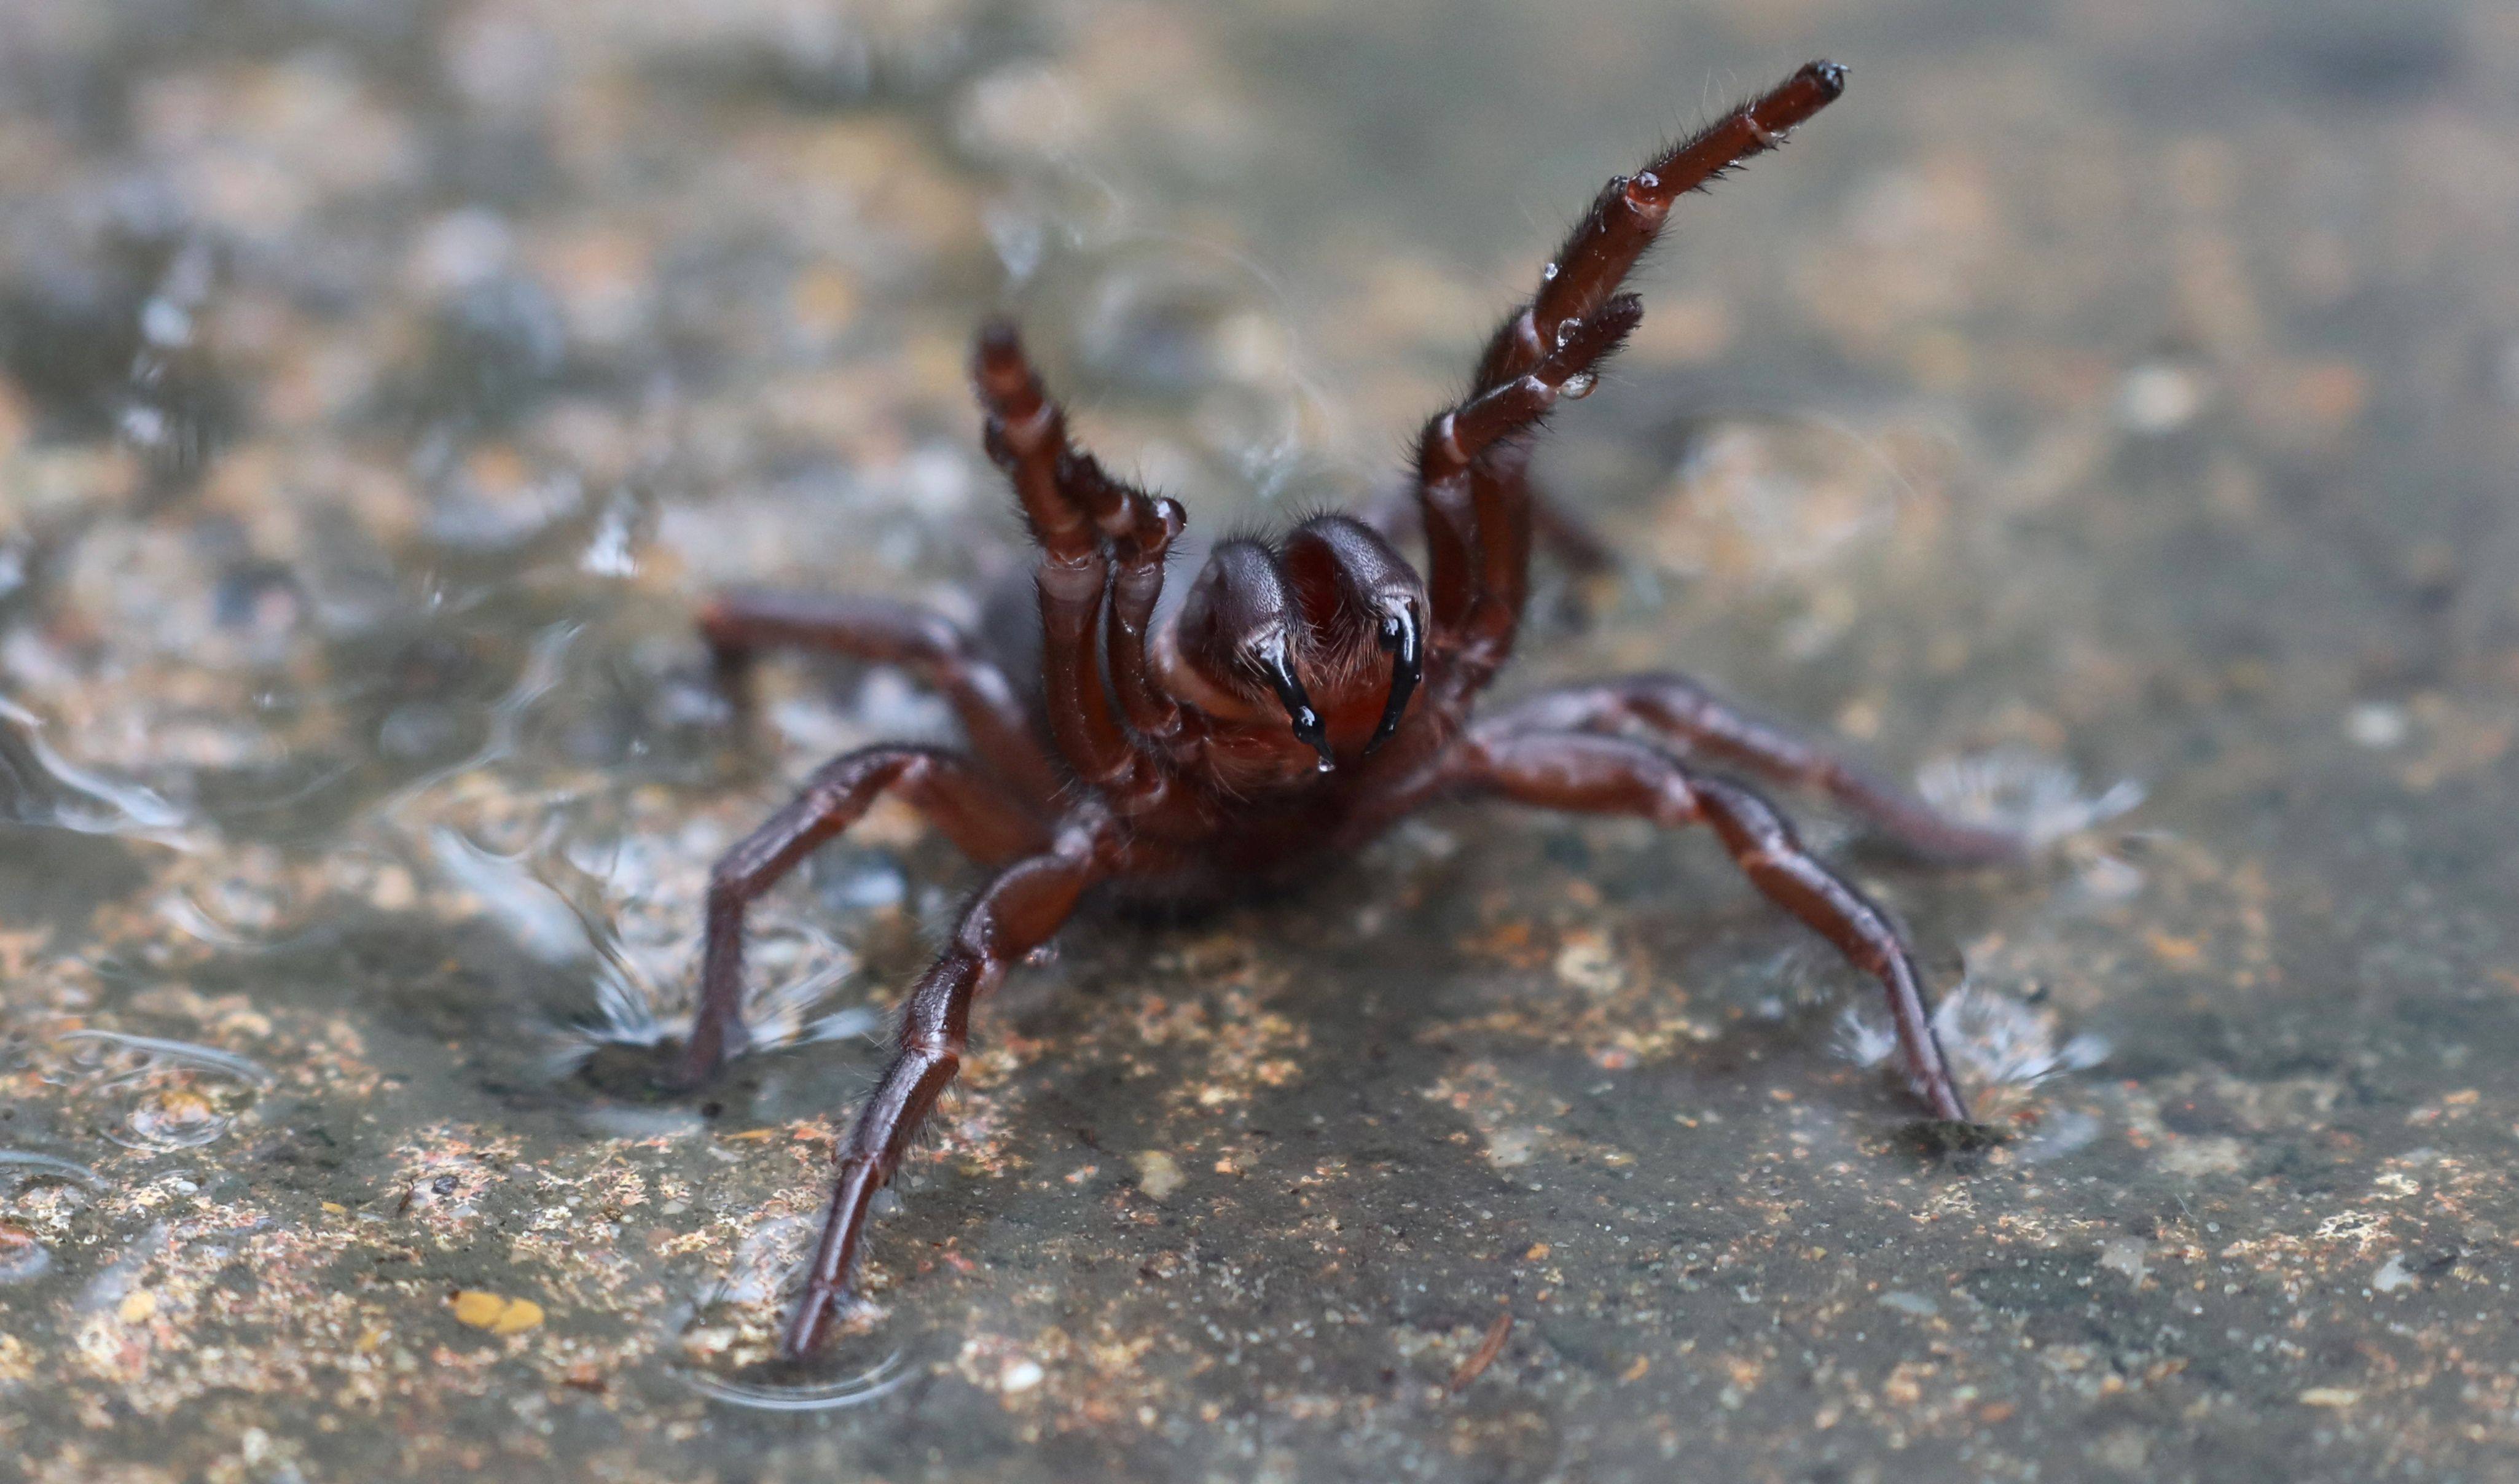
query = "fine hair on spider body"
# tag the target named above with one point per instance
(1306, 694)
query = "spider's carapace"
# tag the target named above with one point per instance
(1306, 694)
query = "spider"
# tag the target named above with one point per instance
(1303, 696)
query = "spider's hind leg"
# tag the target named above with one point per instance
(1595, 775)
(1680, 713)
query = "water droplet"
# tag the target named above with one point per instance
(144, 426)
(1579, 385)
(177, 1119)
(1548, 273)
(1565, 331)
(21, 1257)
(1648, 180)
(165, 323)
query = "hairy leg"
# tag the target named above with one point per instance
(1629, 212)
(1578, 285)
(1679, 712)
(1477, 531)
(1013, 915)
(1088, 525)
(970, 808)
(741, 625)
(1595, 775)
(1566, 537)
(1027, 435)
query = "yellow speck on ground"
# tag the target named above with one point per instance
(2177, 952)
(137, 1305)
(496, 1313)
(2328, 1396)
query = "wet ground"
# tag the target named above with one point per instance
(2103, 414)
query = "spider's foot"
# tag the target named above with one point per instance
(817, 1312)
(1952, 1136)
(702, 1058)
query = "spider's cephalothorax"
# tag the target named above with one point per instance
(1303, 696)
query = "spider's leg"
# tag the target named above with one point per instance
(1628, 214)
(1080, 517)
(1563, 534)
(1679, 712)
(1578, 285)
(1477, 524)
(965, 802)
(1567, 535)
(741, 624)
(1595, 775)
(1013, 915)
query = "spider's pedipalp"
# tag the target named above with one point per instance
(1136, 587)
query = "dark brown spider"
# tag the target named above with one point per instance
(1304, 697)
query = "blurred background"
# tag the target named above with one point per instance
(2104, 415)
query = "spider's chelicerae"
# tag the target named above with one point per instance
(1303, 696)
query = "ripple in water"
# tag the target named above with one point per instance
(2022, 791)
(1993, 1040)
(885, 1377)
(177, 1118)
(169, 1113)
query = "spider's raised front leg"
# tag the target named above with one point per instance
(971, 809)
(1681, 714)
(1084, 522)
(1588, 773)
(1013, 915)
(743, 623)
(1477, 542)
(1629, 212)
(1580, 285)
(1561, 533)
